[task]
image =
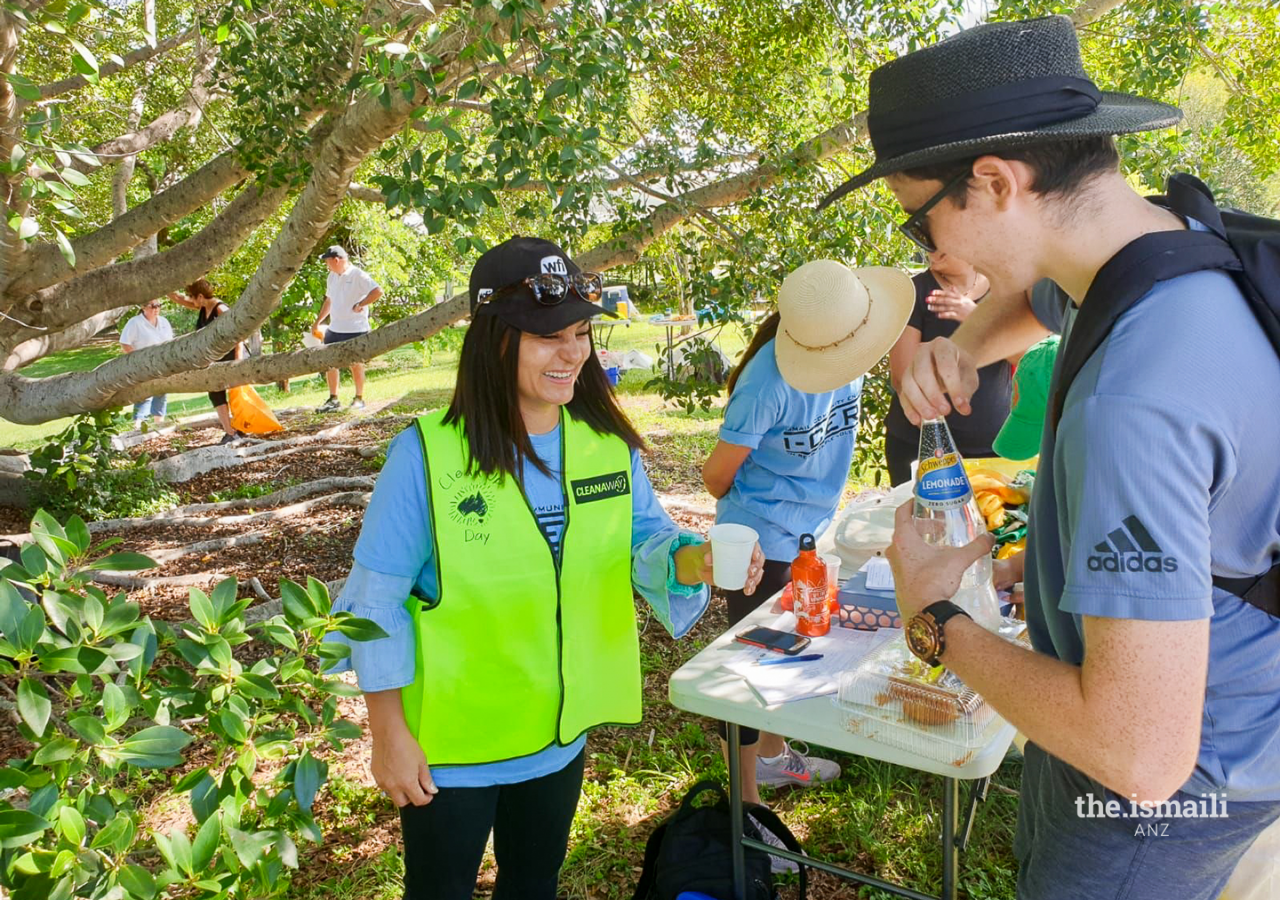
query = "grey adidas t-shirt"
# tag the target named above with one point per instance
(1164, 473)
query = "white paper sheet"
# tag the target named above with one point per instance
(841, 650)
(879, 574)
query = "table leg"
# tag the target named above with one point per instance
(950, 854)
(735, 813)
(671, 369)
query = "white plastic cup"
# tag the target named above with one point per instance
(833, 567)
(731, 547)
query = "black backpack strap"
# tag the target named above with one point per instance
(1126, 278)
(1262, 591)
(649, 870)
(769, 819)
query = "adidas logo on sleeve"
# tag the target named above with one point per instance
(1131, 548)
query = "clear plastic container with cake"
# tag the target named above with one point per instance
(895, 699)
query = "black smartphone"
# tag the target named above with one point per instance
(773, 639)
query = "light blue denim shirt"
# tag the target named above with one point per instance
(396, 550)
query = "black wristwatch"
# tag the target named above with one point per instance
(924, 631)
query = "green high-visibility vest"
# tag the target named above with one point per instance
(519, 652)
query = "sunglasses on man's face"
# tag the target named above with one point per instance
(152, 306)
(549, 289)
(916, 228)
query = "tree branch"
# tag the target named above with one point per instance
(69, 338)
(130, 283)
(46, 266)
(131, 59)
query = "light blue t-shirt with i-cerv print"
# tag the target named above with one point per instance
(396, 550)
(801, 447)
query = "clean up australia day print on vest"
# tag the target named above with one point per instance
(470, 504)
(941, 482)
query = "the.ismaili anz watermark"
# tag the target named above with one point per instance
(1209, 806)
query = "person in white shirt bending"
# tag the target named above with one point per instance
(147, 329)
(348, 294)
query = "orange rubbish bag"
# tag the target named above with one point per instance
(249, 412)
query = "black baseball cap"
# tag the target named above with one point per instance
(511, 262)
(335, 252)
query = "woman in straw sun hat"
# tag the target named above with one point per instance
(788, 438)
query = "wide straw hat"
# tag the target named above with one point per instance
(836, 323)
(992, 87)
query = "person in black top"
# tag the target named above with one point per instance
(199, 296)
(946, 293)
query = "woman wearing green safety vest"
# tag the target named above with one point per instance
(517, 522)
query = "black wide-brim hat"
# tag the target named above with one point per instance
(988, 88)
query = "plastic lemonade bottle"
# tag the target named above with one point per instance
(946, 513)
(809, 589)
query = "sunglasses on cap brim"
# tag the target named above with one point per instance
(550, 289)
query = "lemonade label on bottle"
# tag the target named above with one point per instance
(941, 482)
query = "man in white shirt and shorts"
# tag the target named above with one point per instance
(348, 294)
(147, 329)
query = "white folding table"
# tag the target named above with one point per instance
(703, 687)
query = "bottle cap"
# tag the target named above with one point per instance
(806, 542)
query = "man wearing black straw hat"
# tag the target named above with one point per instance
(1151, 702)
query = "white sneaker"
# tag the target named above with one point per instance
(777, 865)
(796, 768)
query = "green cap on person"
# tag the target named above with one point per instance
(1019, 437)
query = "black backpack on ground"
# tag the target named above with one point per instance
(1244, 245)
(691, 851)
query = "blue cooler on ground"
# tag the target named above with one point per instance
(612, 295)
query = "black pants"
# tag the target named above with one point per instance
(444, 841)
(776, 576)
(900, 455)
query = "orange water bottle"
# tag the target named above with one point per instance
(809, 587)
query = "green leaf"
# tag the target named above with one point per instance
(55, 750)
(90, 729)
(119, 618)
(257, 686)
(118, 833)
(115, 708)
(23, 87)
(250, 845)
(308, 774)
(138, 882)
(28, 228)
(190, 780)
(180, 846)
(223, 598)
(155, 747)
(202, 610)
(34, 705)
(124, 561)
(298, 606)
(206, 843)
(77, 660)
(85, 54)
(77, 531)
(64, 246)
(360, 629)
(32, 629)
(20, 826)
(319, 594)
(234, 723)
(71, 825)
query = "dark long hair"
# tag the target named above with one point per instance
(486, 401)
(767, 331)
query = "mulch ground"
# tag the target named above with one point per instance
(319, 544)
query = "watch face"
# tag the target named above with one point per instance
(922, 637)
